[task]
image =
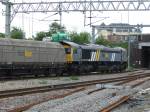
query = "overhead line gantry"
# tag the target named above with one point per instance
(66, 6)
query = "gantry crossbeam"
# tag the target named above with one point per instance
(96, 5)
(80, 6)
(92, 5)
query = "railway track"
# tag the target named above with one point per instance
(23, 77)
(123, 80)
(120, 83)
(122, 99)
(25, 107)
(26, 91)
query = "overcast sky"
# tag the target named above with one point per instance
(74, 21)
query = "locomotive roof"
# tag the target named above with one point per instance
(96, 45)
(113, 49)
(29, 43)
(120, 48)
(90, 46)
(71, 43)
(93, 46)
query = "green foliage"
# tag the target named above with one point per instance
(74, 78)
(2, 35)
(74, 36)
(17, 33)
(102, 41)
(83, 37)
(120, 44)
(55, 27)
(40, 36)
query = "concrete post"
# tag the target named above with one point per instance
(93, 34)
(8, 19)
(60, 14)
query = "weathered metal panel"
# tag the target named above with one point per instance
(135, 55)
(117, 56)
(30, 51)
(76, 54)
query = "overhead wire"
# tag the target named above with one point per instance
(49, 16)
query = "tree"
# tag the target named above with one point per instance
(83, 37)
(17, 33)
(55, 27)
(2, 35)
(102, 41)
(40, 36)
(74, 37)
(120, 44)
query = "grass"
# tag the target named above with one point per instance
(74, 77)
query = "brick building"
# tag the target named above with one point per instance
(118, 32)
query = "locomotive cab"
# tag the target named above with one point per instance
(73, 55)
(73, 51)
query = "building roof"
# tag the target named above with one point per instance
(118, 27)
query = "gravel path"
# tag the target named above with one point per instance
(139, 102)
(9, 103)
(8, 85)
(78, 102)
(81, 102)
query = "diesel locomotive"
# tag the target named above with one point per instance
(91, 57)
(38, 57)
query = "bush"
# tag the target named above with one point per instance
(102, 41)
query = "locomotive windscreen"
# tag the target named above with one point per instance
(68, 50)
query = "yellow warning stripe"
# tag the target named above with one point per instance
(97, 55)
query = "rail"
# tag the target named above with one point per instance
(25, 91)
